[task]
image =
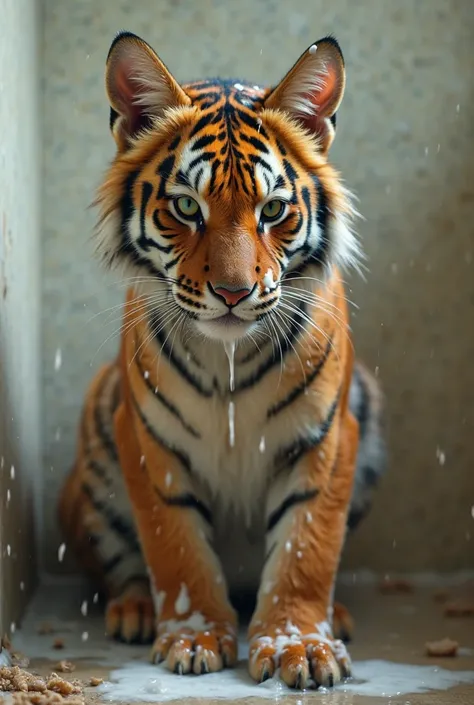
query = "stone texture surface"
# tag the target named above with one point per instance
(405, 144)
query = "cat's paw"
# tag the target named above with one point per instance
(188, 651)
(301, 656)
(131, 616)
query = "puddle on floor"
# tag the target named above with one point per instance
(138, 682)
(387, 652)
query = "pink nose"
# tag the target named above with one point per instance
(232, 298)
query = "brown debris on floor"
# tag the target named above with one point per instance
(443, 647)
(29, 688)
(58, 644)
(459, 608)
(65, 667)
(395, 586)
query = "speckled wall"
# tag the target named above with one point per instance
(405, 145)
(20, 373)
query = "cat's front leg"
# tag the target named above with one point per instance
(306, 523)
(196, 625)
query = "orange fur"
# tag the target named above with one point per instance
(170, 451)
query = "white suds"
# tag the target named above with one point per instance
(288, 546)
(61, 552)
(168, 479)
(84, 608)
(312, 49)
(183, 602)
(231, 415)
(261, 446)
(58, 359)
(239, 86)
(268, 281)
(196, 622)
(229, 348)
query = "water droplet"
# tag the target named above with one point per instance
(58, 360)
(12, 627)
(22, 586)
(142, 460)
(472, 511)
(84, 608)
(9, 496)
(146, 374)
(85, 636)
(95, 599)
(12, 472)
(168, 479)
(9, 550)
(261, 446)
(288, 546)
(61, 552)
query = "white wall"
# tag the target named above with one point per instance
(20, 361)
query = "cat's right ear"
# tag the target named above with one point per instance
(139, 86)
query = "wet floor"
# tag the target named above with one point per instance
(388, 650)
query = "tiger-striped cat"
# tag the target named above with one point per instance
(217, 453)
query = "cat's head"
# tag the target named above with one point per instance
(220, 198)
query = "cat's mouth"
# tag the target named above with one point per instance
(227, 327)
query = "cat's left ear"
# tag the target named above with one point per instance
(312, 90)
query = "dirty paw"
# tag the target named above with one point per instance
(199, 652)
(131, 616)
(303, 659)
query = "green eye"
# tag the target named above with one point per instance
(187, 207)
(273, 210)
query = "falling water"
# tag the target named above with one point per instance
(231, 416)
(229, 351)
(229, 348)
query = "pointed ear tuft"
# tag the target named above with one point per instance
(312, 90)
(139, 87)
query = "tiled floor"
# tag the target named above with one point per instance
(389, 628)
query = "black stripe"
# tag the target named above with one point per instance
(300, 388)
(201, 124)
(164, 401)
(106, 439)
(202, 142)
(322, 215)
(115, 521)
(143, 241)
(112, 563)
(205, 157)
(276, 355)
(177, 364)
(174, 261)
(287, 457)
(174, 144)
(255, 142)
(187, 501)
(177, 452)
(362, 411)
(98, 470)
(289, 502)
